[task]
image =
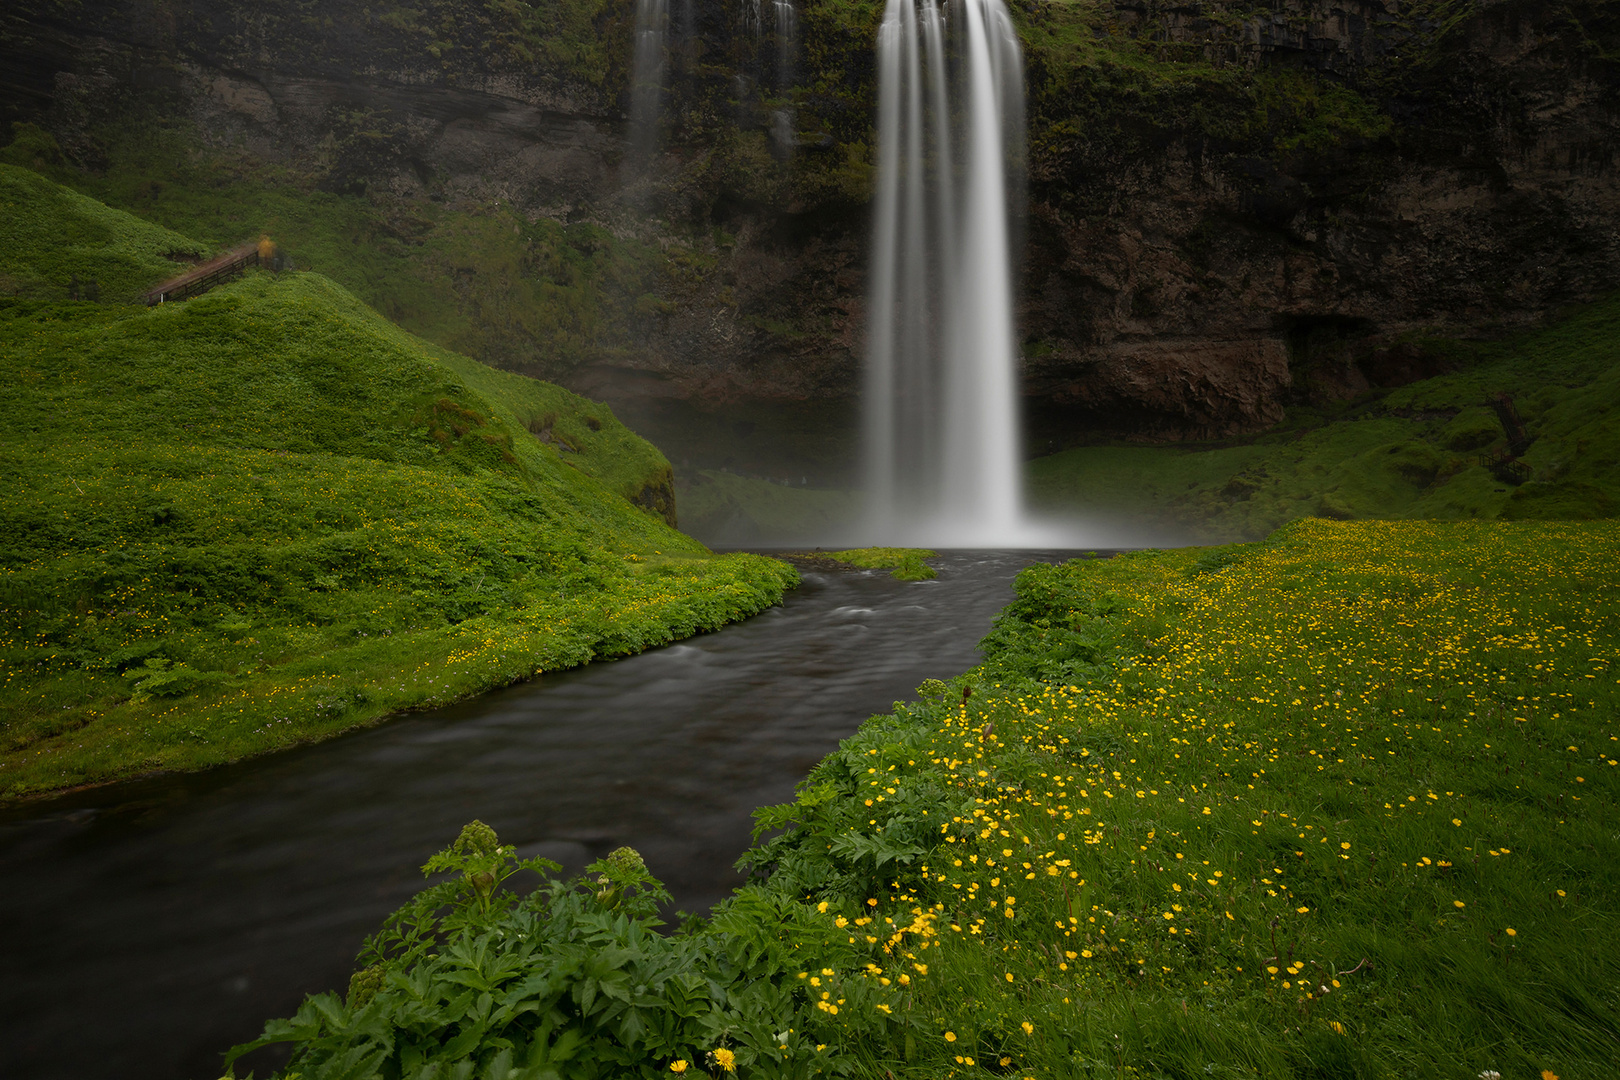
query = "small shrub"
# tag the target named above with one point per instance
(571, 980)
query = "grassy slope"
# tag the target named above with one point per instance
(478, 278)
(49, 234)
(1338, 804)
(1412, 453)
(265, 515)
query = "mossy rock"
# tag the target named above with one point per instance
(1471, 430)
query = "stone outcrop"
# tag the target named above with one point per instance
(1272, 203)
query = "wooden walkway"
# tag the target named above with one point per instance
(1505, 462)
(200, 279)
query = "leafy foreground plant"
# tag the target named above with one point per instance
(571, 979)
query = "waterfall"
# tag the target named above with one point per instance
(647, 81)
(783, 132)
(787, 43)
(941, 398)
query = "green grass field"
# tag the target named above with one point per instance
(1337, 804)
(265, 515)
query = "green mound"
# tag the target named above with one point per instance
(50, 235)
(265, 515)
(477, 277)
(1418, 452)
(907, 562)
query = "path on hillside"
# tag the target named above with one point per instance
(221, 268)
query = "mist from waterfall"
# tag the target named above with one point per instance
(941, 396)
(647, 82)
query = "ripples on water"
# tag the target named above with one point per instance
(148, 926)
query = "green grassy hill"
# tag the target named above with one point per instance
(266, 514)
(477, 277)
(49, 235)
(1411, 453)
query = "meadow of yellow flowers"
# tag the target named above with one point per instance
(1336, 804)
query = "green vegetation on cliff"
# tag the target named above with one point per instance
(1337, 804)
(474, 273)
(265, 515)
(477, 277)
(1420, 451)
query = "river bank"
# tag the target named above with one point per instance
(1337, 803)
(181, 910)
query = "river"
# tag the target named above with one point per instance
(147, 926)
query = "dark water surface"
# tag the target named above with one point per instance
(146, 927)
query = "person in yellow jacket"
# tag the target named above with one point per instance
(267, 251)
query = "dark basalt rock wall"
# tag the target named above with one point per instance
(1232, 206)
(1208, 285)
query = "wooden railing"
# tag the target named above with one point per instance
(215, 271)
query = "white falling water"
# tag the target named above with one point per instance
(787, 42)
(647, 80)
(787, 48)
(942, 425)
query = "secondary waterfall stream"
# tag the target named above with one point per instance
(145, 927)
(647, 80)
(942, 432)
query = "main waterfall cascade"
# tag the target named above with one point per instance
(942, 428)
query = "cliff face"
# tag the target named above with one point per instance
(1199, 278)
(1233, 206)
